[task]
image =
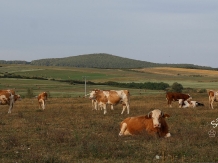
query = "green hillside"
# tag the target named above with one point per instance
(100, 60)
(94, 61)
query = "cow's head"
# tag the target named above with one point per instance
(17, 98)
(92, 94)
(156, 116)
(45, 95)
(189, 97)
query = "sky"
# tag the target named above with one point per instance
(158, 31)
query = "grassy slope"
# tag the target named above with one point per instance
(103, 60)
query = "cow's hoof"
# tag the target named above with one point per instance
(167, 135)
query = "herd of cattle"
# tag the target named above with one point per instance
(153, 123)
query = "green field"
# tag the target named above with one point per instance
(188, 78)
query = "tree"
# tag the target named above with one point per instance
(176, 87)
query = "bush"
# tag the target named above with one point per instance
(202, 91)
(176, 87)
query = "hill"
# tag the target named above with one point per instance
(103, 60)
(100, 60)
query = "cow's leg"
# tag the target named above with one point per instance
(40, 104)
(99, 107)
(167, 135)
(181, 103)
(211, 99)
(112, 107)
(124, 107)
(43, 104)
(10, 107)
(105, 108)
(93, 104)
(123, 129)
(169, 103)
(127, 108)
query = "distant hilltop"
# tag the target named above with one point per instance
(100, 60)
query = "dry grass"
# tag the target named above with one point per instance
(69, 131)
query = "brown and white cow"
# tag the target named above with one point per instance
(189, 103)
(152, 123)
(8, 97)
(174, 96)
(213, 96)
(111, 97)
(41, 99)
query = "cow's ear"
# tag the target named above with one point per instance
(166, 115)
(148, 116)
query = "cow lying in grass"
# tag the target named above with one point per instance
(188, 103)
(152, 123)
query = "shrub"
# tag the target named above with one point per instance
(176, 87)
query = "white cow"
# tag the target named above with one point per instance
(188, 103)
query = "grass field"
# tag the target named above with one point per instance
(68, 130)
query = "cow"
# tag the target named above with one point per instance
(41, 100)
(96, 106)
(152, 123)
(111, 97)
(188, 103)
(8, 97)
(213, 96)
(174, 96)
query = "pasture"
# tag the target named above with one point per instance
(68, 130)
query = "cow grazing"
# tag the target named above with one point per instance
(8, 97)
(174, 96)
(152, 123)
(111, 97)
(188, 103)
(41, 99)
(213, 96)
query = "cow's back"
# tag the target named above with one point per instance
(136, 125)
(211, 93)
(176, 96)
